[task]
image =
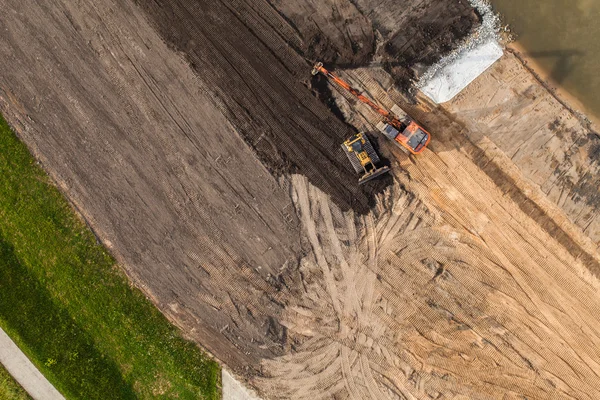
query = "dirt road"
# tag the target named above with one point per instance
(174, 126)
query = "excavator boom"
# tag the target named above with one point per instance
(409, 135)
(380, 110)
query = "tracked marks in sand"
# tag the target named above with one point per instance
(470, 296)
(303, 199)
(361, 336)
(442, 309)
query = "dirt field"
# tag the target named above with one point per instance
(542, 137)
(455, 291)
(188, 136)
(441, 302)
(456, 126)
(140, 146)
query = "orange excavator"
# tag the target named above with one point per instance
(407, 133)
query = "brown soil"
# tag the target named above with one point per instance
(547, 140)
(241, 51)
(422, 32)
(331, 32)
(143, 150)
(173, 127)
(255, 56)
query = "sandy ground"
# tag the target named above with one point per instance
(453, 292)
(545, 139)
(187, 136)
(24, 372)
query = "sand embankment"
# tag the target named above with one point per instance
(559, 92)
(539, 129)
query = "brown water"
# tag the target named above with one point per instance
(563, 37)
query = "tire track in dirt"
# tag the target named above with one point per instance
(452, 135)
(475, 298)
(444, 290)
(257, 77)
(253, 56)
(505, 235)
(460, 309)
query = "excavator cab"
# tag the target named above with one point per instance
(412, 136)
(363, 158)
(416, 137)
(316, 68)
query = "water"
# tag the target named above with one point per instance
(563, 37)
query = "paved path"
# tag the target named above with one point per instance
(24, 372)
(234, 390)
(38, 387)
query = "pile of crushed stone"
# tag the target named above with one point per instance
(445, 79)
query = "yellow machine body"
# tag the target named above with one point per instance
(363, 157)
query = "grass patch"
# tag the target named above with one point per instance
(9, 388)
(72, 311)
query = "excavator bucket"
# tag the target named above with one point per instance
(316, 68)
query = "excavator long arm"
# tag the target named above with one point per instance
(342, 83)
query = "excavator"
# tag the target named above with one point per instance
(406, 133)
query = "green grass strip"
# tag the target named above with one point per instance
(9, 388)
(72, 311)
